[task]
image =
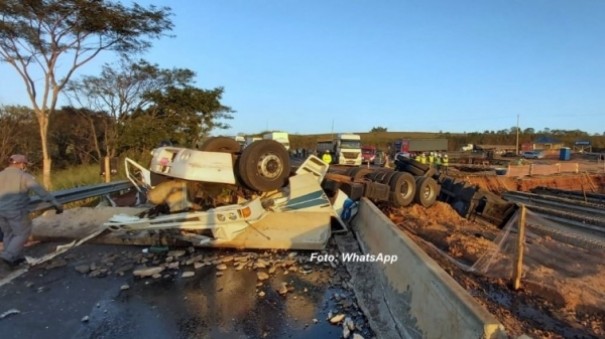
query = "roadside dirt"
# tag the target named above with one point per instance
(456, 243)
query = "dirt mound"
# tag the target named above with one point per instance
(576, 182)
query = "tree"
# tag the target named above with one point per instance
(57, 37)
(121, 90)
(378, 129)
(15, 131)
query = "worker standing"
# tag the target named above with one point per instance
(327, 157)
(15, 185)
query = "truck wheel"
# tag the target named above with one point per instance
(220, 144)
(359, 173)
(427, 191)
(264, 166)
(413, 163)
(410, 169)
(403, 189)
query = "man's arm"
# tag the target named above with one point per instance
(32, 184)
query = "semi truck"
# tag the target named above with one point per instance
(347, 149)
(419, 145)
(281, 137)
(368, 154)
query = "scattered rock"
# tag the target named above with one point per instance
(239, 267)
(228, 259)
(156, 276)
(262, 276)
(315, 321)
(194, 260)
(272, 269)
(283, 290)
(221, 267)
(291, 255)
(125, 287)
(337, 318)
(176, 254)
(56, 263)
(84, 269)
(349, 323)
(147, 271)
(198, 265)
(85, 319)
(219, 274)
(10, 312)
(187, 274)
(261, 263)
(357, 336)
(345, 331)
(173, 265)
(261, 294)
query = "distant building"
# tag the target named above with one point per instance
(547, 143)
(582, 146)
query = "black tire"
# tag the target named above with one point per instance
(405, 167)
(413, 163)
(403, 189)
(359, 173)
(220, 144)
(264, 166)
(427, 191)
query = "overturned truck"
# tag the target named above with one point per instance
(221, 196)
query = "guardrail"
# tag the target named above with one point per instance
(80, 193)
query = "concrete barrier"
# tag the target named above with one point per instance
(413, 297)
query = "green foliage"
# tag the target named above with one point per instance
(378, 129)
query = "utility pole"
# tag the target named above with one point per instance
(517, 146)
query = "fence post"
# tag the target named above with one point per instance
(518, 269)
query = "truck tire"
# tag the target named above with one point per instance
(405, 167)
(427, 191)
(264, 166)
(413, 163)
(403, 189)
(220, 144)
(359, 173)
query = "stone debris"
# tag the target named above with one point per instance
(261, 294)
(187, 274)
(349, 323)
(272, 269)
(240, 267)
(125, 287)
(10, 312)
(156, 276)
(337, 318)
(221, 267)
(357, 336)
(260, 263)
(194, 260)
(345, 331)
(198, 265)
(147, 271)
(228, 259)
(262, 276)
(283, 290)
(219, 274)
(176, 254)
(85, 319)
(173, 265)
(315, 321)
(84, 269)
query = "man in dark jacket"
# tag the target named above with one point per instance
(15, 185)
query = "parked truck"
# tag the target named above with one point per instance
(347, 149)
(281, 137)
(368, 154)
(419, 146)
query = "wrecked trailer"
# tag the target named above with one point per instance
(220, 197)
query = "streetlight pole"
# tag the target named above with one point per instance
(517, 146)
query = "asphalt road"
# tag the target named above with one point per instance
(60, 299)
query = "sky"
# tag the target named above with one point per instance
(321, 66)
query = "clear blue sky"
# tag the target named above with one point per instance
(301, 66)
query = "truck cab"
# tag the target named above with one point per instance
(368, 154)
(281, 137)
(347, 148)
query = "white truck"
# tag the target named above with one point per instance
(347, 147)
(281, 137)
(221, 197)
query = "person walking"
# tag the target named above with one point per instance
(15, 185)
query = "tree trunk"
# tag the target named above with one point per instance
(46, 160)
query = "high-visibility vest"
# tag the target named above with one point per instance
(445, 161)
(327, 158)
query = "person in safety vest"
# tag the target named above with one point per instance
(327, 157)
